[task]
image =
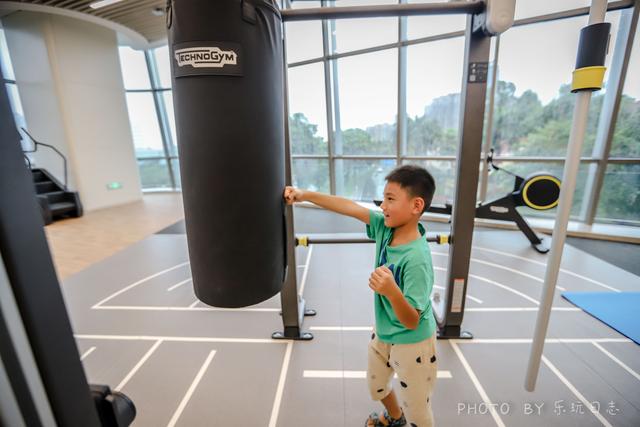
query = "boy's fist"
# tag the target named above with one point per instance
(293, 195)
(382, 282)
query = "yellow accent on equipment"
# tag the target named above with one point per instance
(588, 78)
(540, 178)
(303, 241)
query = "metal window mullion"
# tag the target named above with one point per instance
(159, 105)
(488, 141)
(401, 125)
(328, 104)
(609, 113)
(334, 92)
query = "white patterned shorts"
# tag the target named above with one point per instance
(416, 367)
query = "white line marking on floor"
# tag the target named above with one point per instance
(618, 361)
(192, 387)
(516, 309)
(505, 287)
(355, 374)
(341, 328)
(193, 304)
(283, 376)
(502, 267)
(139, 282)
(179, 339)
(177, 285)
(588, 279)
(575, 391)
(478, 300)
(138, 365)
(476, 383)
(190, 308)
(306, 270)
(86, 353)
(547, 341)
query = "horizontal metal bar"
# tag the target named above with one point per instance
(572, 13)
(158, 158)
(616, 160)
(382, 11)
(305, 241)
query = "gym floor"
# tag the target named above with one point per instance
(141, 330)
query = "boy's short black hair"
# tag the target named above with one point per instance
(416, 180)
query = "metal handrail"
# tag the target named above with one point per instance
(36, 144)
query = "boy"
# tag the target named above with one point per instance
(404, 339)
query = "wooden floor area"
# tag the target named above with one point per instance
(79, 242)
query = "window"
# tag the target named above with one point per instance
(620, 194)
(362, 179)
(367, 103)
(354, 34)
(134, 69)
(144, 125)
(433, 98)
(307, 110)
(147, 80)
(311, 174)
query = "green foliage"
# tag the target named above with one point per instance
(522, 126)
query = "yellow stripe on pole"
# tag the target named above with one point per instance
(588, 78)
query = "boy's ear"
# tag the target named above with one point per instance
(418, 204)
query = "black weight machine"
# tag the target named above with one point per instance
(539, 191)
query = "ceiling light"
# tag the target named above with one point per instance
(103, 3)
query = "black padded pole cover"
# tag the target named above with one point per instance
(228, 94)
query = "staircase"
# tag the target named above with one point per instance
(55, 202)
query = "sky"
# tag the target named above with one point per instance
(539, 57)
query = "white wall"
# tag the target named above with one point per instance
(69, 79)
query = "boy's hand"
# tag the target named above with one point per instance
(382, 282)
(293, 195)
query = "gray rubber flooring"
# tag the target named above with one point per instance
(141, 330)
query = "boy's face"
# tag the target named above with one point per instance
(398, 206)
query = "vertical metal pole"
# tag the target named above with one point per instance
(292, 304)
(337, 139)
(401, 126)
(576, 137)
(609, 113)
(328, 106)
(449, 313)
(488, 135)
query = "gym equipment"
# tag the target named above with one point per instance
(228, 94)
(43, 379)
(227, 72)
(539, 191)
(619, 310)
(317, 239)
(592, 52)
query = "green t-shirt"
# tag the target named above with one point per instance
(412, 269)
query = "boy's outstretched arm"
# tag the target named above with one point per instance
(333, 203)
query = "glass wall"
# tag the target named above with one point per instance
(147, 81)
(366, 95)
(391, 91)
(9, 82)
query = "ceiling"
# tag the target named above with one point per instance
(136, 20)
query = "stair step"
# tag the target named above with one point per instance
(46, 187)
(61, 208)
(57, 196)
(39, 176)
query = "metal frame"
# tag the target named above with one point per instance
(609, 113)
(334, 158)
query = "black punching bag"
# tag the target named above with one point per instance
(227, 75)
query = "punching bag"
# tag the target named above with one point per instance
(228, 97)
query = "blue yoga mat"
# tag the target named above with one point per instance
(619, 310)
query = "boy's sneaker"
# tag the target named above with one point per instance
(391, 422)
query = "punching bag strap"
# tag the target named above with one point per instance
(248, 12)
